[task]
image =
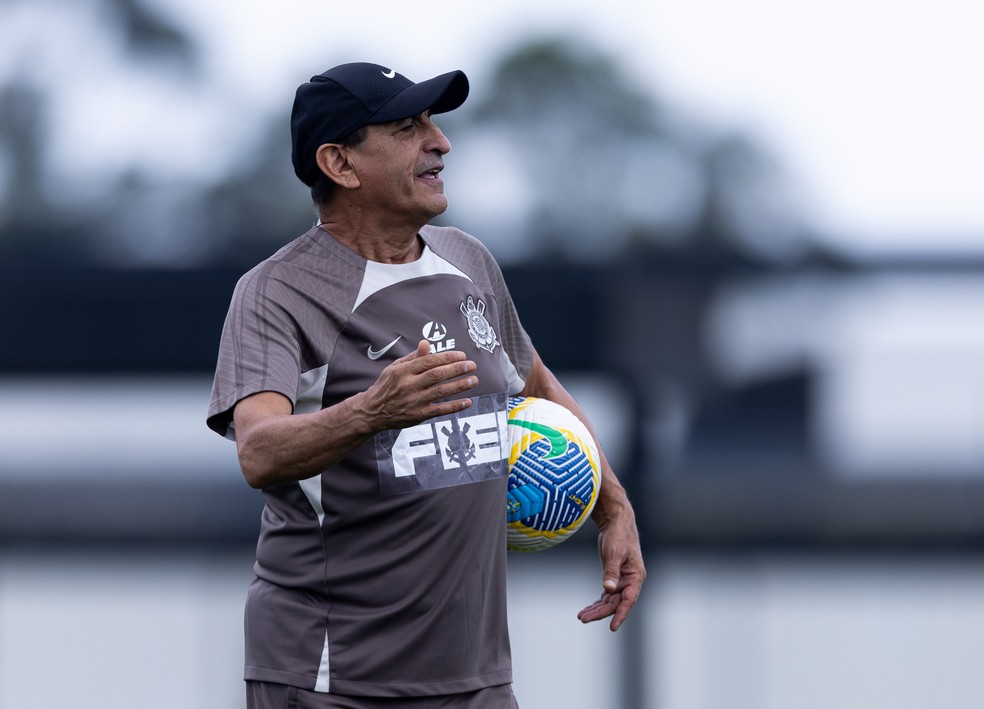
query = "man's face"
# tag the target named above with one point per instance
(399, 165)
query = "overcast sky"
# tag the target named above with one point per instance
(873, 106)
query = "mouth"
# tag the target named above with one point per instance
(431, 174)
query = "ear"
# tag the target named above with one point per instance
(333, 160)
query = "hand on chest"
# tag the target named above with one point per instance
(449, 313)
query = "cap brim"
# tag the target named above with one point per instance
(438, 95)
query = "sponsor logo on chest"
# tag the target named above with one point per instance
(450, 444)
(468, 447)
(437, 335)
(479, 329)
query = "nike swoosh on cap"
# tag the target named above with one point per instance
(376, 354)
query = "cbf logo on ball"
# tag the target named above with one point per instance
(554, 474)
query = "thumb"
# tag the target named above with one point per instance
(610, 577)
(423, 348)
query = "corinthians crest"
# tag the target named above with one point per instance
(479, 328)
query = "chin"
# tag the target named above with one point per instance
(439, 208)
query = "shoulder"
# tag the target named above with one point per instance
(459, 248)
(449, 238)
(312, 256)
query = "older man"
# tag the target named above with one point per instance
(381, 571)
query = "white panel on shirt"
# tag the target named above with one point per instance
(382, 275)
(309, 391)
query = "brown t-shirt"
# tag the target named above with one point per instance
(385, 574)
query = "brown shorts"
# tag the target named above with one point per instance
(268, 695)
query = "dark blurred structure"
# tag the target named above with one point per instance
(744, 469)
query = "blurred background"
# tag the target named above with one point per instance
(749, 237)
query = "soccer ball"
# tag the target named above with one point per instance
(554, 474)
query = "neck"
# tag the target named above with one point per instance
(382, 247)
(375, 236)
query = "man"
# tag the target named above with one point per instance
(345, 359)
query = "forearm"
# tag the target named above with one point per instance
(612, 499)
(291, 447)
(278, 446)
(623, 569)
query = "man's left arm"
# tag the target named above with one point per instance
(623, 570)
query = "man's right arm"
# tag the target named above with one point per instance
(276, 446)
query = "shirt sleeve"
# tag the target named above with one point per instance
(259, 348)
(515, 340)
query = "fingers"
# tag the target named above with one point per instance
(422, 385)
(422, 358)
(437, 371)
(607, 605)
(622, 579)
(610, 604)
(617, 605)
(423, 349)
(602, 608)
(446, 382)
(623, 572)
(627, 600)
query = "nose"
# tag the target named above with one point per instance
(437, 141)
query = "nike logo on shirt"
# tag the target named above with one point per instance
(376, 354)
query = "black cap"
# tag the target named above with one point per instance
(343, 99)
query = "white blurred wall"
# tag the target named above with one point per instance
(101, 631)
(859, 632)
